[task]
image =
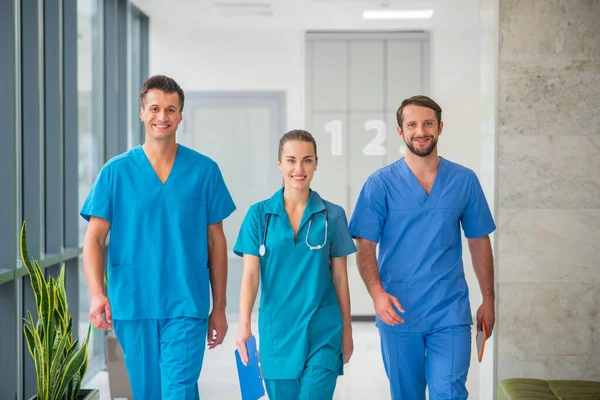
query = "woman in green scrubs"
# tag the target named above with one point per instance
(297, 243)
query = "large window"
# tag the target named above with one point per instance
(138, 63)
(8, 332)
(90, 81)
(7, 154)
(91, 100)
(62, 66)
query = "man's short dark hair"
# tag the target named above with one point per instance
(162, 83)
(422, 101)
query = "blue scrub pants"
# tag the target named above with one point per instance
(316, 383)
(163, 357)
(439, 359)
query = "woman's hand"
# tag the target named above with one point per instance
(244, 333)
(347, 344)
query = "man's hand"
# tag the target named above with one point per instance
(367, 266)
(384, 307)
(486, 313)
(217, 328)
(483, 264)
(100, 313)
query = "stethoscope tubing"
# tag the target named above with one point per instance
(262, 249)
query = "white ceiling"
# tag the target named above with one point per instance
(282, 14)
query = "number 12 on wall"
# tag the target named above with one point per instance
(374, 148)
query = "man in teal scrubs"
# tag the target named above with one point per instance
(163, 205)
(414, 208)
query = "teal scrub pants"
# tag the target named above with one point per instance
(163, 357)
(439, 359)
(316, 383)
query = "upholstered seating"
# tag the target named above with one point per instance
(538, 389)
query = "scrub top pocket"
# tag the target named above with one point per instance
(405, 293)
(192, 215)
(450, 230)
(123, 282)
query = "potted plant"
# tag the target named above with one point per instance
(60, 364)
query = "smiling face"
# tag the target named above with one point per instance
(297, 163)
(420, 130)
(161, 114)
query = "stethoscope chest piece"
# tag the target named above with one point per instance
(262, 250)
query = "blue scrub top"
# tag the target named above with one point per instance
(420, 247)
(300, 321)
(158, 253)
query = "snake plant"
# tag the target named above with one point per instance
(60, 364)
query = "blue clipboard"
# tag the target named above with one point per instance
(250, 378)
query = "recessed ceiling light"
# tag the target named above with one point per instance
(397, 14)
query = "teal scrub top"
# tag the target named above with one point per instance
(420, 247)
(300, 321)
(158, 252)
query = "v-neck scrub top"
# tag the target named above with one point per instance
(158, 251)
(420, 247)
(299, 317)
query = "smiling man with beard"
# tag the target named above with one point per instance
(414, 208)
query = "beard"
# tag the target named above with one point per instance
(422, 153)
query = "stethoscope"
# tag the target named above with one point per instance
(262, 249)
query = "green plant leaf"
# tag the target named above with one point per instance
(33, 269)
(72, 366)
(87, 341)
(57, 364)
(49, 329)
(62, 292)
(28, 331)
(75, 387)
(39, 361)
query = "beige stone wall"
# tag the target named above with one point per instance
(549, 189)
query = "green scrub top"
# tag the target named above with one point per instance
(300, 321)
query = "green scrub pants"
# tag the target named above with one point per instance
(316, 383)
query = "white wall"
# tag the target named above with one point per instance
(272, 59)
(256, 60)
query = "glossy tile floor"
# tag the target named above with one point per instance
(364, 376)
